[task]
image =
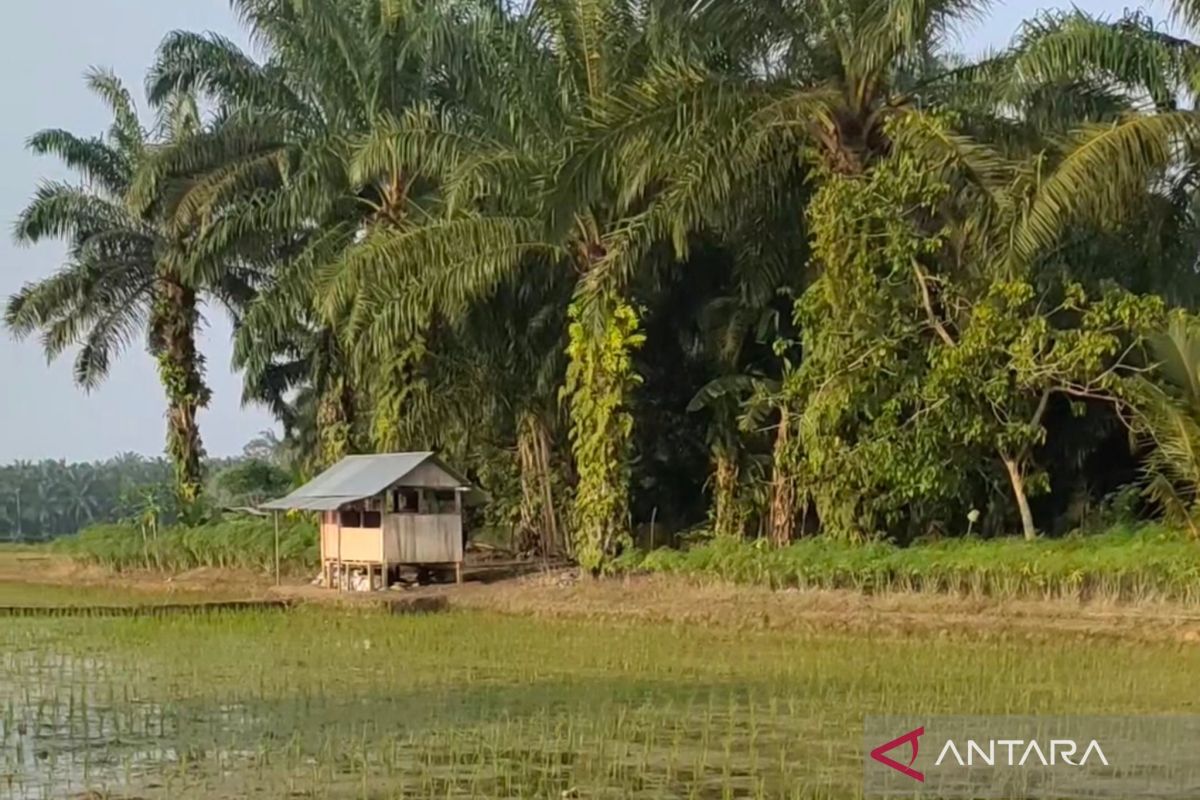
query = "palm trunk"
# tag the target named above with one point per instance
(335, 415)
(725, 483)
(181, 370)
(1013, 466)
(539, 513)
(528, 536)
(783, 486)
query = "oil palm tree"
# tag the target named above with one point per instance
(402, 156)
(126, 274)
(496, 159)
(277, 170)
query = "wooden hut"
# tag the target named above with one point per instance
(381, 512)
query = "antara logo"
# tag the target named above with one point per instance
(911, 738)
(1019, 752)
(990, 752)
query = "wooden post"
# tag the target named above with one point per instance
(458, 565)
(324, 556)
(341, 578)
(277, 581)
(383, 581)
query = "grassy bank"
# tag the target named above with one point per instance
(1128, 564)
(232, 543)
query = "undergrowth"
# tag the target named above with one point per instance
(235, 542)
(1148, 562)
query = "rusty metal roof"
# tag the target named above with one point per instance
(356, 477)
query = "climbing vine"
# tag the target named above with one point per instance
(604, 333)
(181, 370)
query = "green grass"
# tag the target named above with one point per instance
(332, 704)
(1128, 564)
(235, 542)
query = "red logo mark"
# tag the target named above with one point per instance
(907, 769)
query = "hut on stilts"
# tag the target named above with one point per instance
(379, 513)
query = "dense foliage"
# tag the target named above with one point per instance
(603, 253)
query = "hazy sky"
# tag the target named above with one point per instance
(45, 46)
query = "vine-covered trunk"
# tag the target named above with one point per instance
(1015, 476)
(335, 422)
(540, 528)
(181, 370)
(726, 519)
(604, 333)
(783, 485)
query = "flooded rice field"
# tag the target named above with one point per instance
(327, 703)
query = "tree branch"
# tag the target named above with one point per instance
(927, 302)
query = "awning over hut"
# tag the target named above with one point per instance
(358, 477)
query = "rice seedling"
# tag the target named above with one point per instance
(331, 703)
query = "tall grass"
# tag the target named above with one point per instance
(233, 542)
(1149, 562)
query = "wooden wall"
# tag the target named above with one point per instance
(405, 539)
(422, 538)
(429, 475)
(358, 544)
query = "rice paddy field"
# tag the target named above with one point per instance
(322, 702)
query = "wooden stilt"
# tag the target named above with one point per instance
(458, 571)
(340, 565)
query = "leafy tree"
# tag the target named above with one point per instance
(921, 360)
(249, 483)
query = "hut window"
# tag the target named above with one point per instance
(439, 501)
(405, 501)
(353, 518)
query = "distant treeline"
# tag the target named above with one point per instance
(45, 499)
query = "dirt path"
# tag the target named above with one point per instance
(560, 594)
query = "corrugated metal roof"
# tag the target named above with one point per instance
(354, 478)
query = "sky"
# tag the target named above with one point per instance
(45, 47)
